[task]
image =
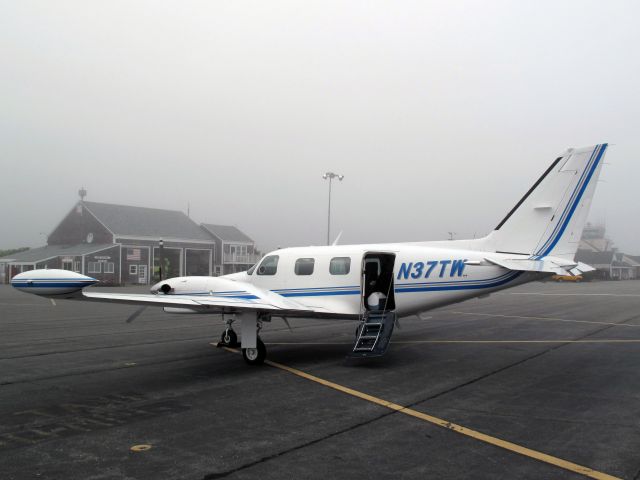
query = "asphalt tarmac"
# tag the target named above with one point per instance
(541, 381)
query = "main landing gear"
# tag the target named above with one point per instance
(255, 356)
(254, 351)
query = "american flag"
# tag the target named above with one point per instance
(133, 254)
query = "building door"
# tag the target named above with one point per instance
(142, 274)
(67, 264)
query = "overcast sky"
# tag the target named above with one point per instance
(439, 114)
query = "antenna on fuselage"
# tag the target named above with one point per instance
(335, 242)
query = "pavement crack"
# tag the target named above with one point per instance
(520, 362)
(216, 475)
(102, 370)
(107, 347)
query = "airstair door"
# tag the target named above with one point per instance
(377, 305)
(377, 281)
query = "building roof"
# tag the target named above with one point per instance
(634, 258)
(595, 258)
(131, 221)
(40, 254)
(227, 233)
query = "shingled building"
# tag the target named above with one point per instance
(120, 244)
(235, 251)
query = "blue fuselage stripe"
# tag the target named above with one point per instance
(49, 284)
(320, 294)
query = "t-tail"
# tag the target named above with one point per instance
(549, 219)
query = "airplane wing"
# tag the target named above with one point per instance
(221, 296)
(257, 300)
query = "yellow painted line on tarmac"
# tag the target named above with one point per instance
(419, 342)
(554, 319)
(512, 447)
(25, 304)
(574, 294)
(519, 341)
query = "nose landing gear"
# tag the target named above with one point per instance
(229, 338)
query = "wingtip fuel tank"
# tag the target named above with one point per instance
(51, 283)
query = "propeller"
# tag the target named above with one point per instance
(286, 321)
(136, 314)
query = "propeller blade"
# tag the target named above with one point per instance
(286, 321)
(136, 314)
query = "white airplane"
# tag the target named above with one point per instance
(376, 284)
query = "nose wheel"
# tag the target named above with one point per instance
(255, 356)
(229, 338)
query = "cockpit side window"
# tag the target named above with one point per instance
(269, 265)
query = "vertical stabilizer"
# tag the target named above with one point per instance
(550, 217)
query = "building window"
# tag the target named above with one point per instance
(76, 267)
(304, 266)
(133, 269)
(95, 267)
(269, 265)
(340, 266)
(108, 267)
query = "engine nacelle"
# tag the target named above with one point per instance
(51, 283)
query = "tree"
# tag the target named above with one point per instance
(11, 251)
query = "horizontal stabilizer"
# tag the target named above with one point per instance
(557, 266)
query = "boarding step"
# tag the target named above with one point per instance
(374, 333)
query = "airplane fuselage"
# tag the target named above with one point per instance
(423, 278)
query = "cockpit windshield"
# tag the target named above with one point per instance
(250, 271)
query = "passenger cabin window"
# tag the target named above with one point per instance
(304, 266)
(269, 265)
(340, 266)
(250, 271)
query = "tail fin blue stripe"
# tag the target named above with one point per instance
(600, 149)
(570, 202)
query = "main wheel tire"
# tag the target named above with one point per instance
(255, 356)
(229, 338)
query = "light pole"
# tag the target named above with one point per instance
(161, 242)
(330, 176)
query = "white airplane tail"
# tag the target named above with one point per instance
(549, 219)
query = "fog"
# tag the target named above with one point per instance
(439, 114)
